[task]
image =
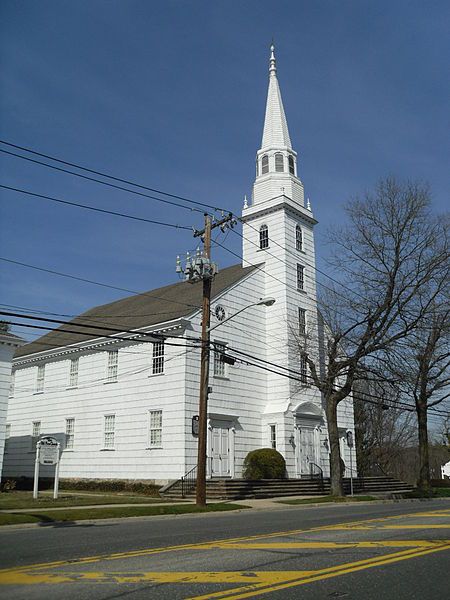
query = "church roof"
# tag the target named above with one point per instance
(276, 133)
(141, 310)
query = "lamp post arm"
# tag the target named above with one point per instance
(231, 316)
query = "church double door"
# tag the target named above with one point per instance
(220, 451)
(306, 449)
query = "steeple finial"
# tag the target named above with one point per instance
(272, 62)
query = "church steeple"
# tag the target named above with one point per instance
(276, 161)
(276, 133)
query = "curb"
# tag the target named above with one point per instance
(277, 507)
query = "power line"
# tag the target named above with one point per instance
(93, 171)
(107, 183)
(301, 378)
(110, 337)
(159, 336)
(100, 210)
(92, 317)
(112, 287)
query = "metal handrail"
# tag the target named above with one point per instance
(318, 473)
(188, 481)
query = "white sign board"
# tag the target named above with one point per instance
(48, 451)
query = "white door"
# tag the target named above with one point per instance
(306, 449)
(220, 452)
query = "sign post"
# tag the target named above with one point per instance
(350, 445)
(47, 453)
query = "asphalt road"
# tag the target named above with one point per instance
(390, 551)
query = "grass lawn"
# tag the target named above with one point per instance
(79, 514)
(13, 500)
(328, 499)
(438, 492)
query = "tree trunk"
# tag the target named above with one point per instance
(337, 488)
(423, 482)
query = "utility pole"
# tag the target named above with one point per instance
(200, 268)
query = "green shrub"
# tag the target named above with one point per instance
(264, 463)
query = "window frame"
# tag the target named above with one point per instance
(303, 370)
(109, 433)
(152, 428)
(222, 371)
(112, 366)
(73, 373)
(273, 435)
(264, 164)
(299, 238)
(35, 435)
(70, 435)
(291, 165)
(263, 237)
(40, 379)
(300, 277)
(278, 156)
(158, 358)
(302, 321)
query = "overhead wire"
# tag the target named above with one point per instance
(94, 209)
(105, 183)
(301, 376)
(113, 287)
(107, 175)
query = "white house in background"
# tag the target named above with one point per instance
(123, 408)
(445, 471)
(8, 345)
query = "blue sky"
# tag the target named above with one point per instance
(171, 95)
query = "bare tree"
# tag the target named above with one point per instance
(420, 367)
(382, 427)
(386, 255)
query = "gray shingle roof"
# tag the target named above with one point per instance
(149, 308)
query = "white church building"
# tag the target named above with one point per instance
(123, 406)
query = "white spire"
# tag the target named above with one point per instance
(276, 134)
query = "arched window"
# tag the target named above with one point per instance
(265, 164)
(263, 237)
(291, 164)
(279, 162)
(257, 168)
(299, 238)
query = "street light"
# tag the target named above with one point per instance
(203, 403)
(261, 302)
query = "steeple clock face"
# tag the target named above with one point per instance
(219, 313)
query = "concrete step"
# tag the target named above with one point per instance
(234, 489)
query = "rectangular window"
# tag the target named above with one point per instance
(40, 378)
(7, 436)
(303, 370)
(73, 375)
(300, 277)
(12, 384)
(273, 436)
(113, 361)
(155, 428)
(219, 364)
(302, 321)
(35, 434)
(36, 429)
(70, 433)
(158, 358)
(108, 435)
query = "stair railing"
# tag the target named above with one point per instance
(316, 472)
(188, 482)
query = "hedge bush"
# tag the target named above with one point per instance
(264, 463)
(90, 485)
